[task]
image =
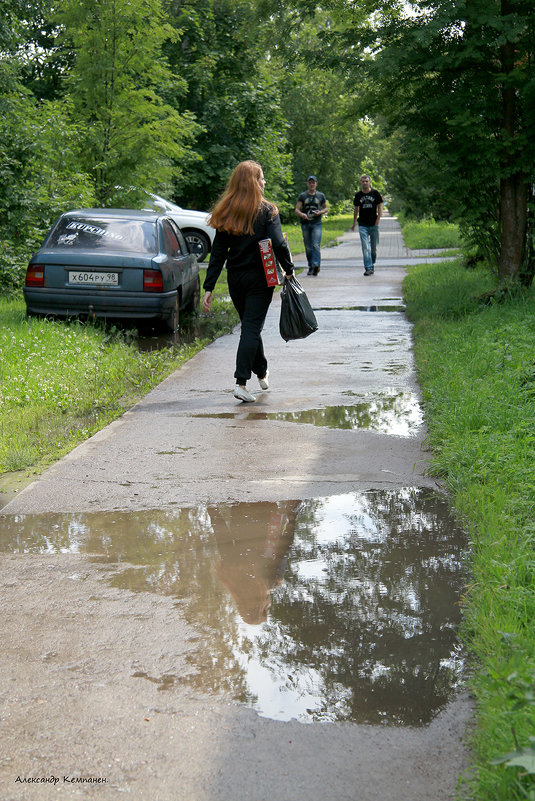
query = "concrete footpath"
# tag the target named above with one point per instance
(94, 667)
(176, 446)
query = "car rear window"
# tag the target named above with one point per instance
(103, 234)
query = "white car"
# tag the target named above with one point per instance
(193, 224)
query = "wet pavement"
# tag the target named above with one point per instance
(345, 578)
(217, 600)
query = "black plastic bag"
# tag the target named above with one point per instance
(297, 319)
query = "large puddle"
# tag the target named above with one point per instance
(340, 608)
(397, 413)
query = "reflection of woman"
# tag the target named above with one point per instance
(242, 217)
(253, 547)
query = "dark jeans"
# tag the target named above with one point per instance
(251, 297)
(369, 239)
(312, 240)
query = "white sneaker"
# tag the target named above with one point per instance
(264, 382)
(242, 394)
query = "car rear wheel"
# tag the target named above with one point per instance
(199, 243)
(172, 319)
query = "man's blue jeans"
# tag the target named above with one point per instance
(312, 240)
(369, 238)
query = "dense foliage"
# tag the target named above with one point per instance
(435, 99)
(455, 81)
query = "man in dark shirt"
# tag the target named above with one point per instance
(311, 206)
(368, 205)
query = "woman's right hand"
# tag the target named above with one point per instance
(207, 302)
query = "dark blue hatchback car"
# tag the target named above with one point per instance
(116, 264)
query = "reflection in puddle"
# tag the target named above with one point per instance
(397, 413)
(11, 484)
(192, 327)
(336, 608)
(395, 368)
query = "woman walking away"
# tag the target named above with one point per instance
(242, 217)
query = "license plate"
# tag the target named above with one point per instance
(80, 277)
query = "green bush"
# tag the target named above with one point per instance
(12, 269)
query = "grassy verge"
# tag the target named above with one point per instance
(429, 233)
(475, 367)
(60, 382)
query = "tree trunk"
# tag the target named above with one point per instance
(513, 184)
(513, 225)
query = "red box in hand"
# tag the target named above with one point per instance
(269, 262)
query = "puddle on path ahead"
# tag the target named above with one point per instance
(361, 308)
(396, 413)
(341, 608)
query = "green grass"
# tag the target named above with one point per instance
(60, 382)
(429, 233)
(476, 371)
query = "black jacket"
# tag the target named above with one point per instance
(242, 252)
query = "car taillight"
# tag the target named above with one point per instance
(152, 281)
(35, 275)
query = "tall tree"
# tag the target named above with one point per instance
(330, 133)
(515, 29)
(327, 139)
(234, 93)
(117, 84)
(39, 172)
(460, 74)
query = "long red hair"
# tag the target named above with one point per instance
(239, 205)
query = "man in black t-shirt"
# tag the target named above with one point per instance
(311, 206)
(368, 205)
